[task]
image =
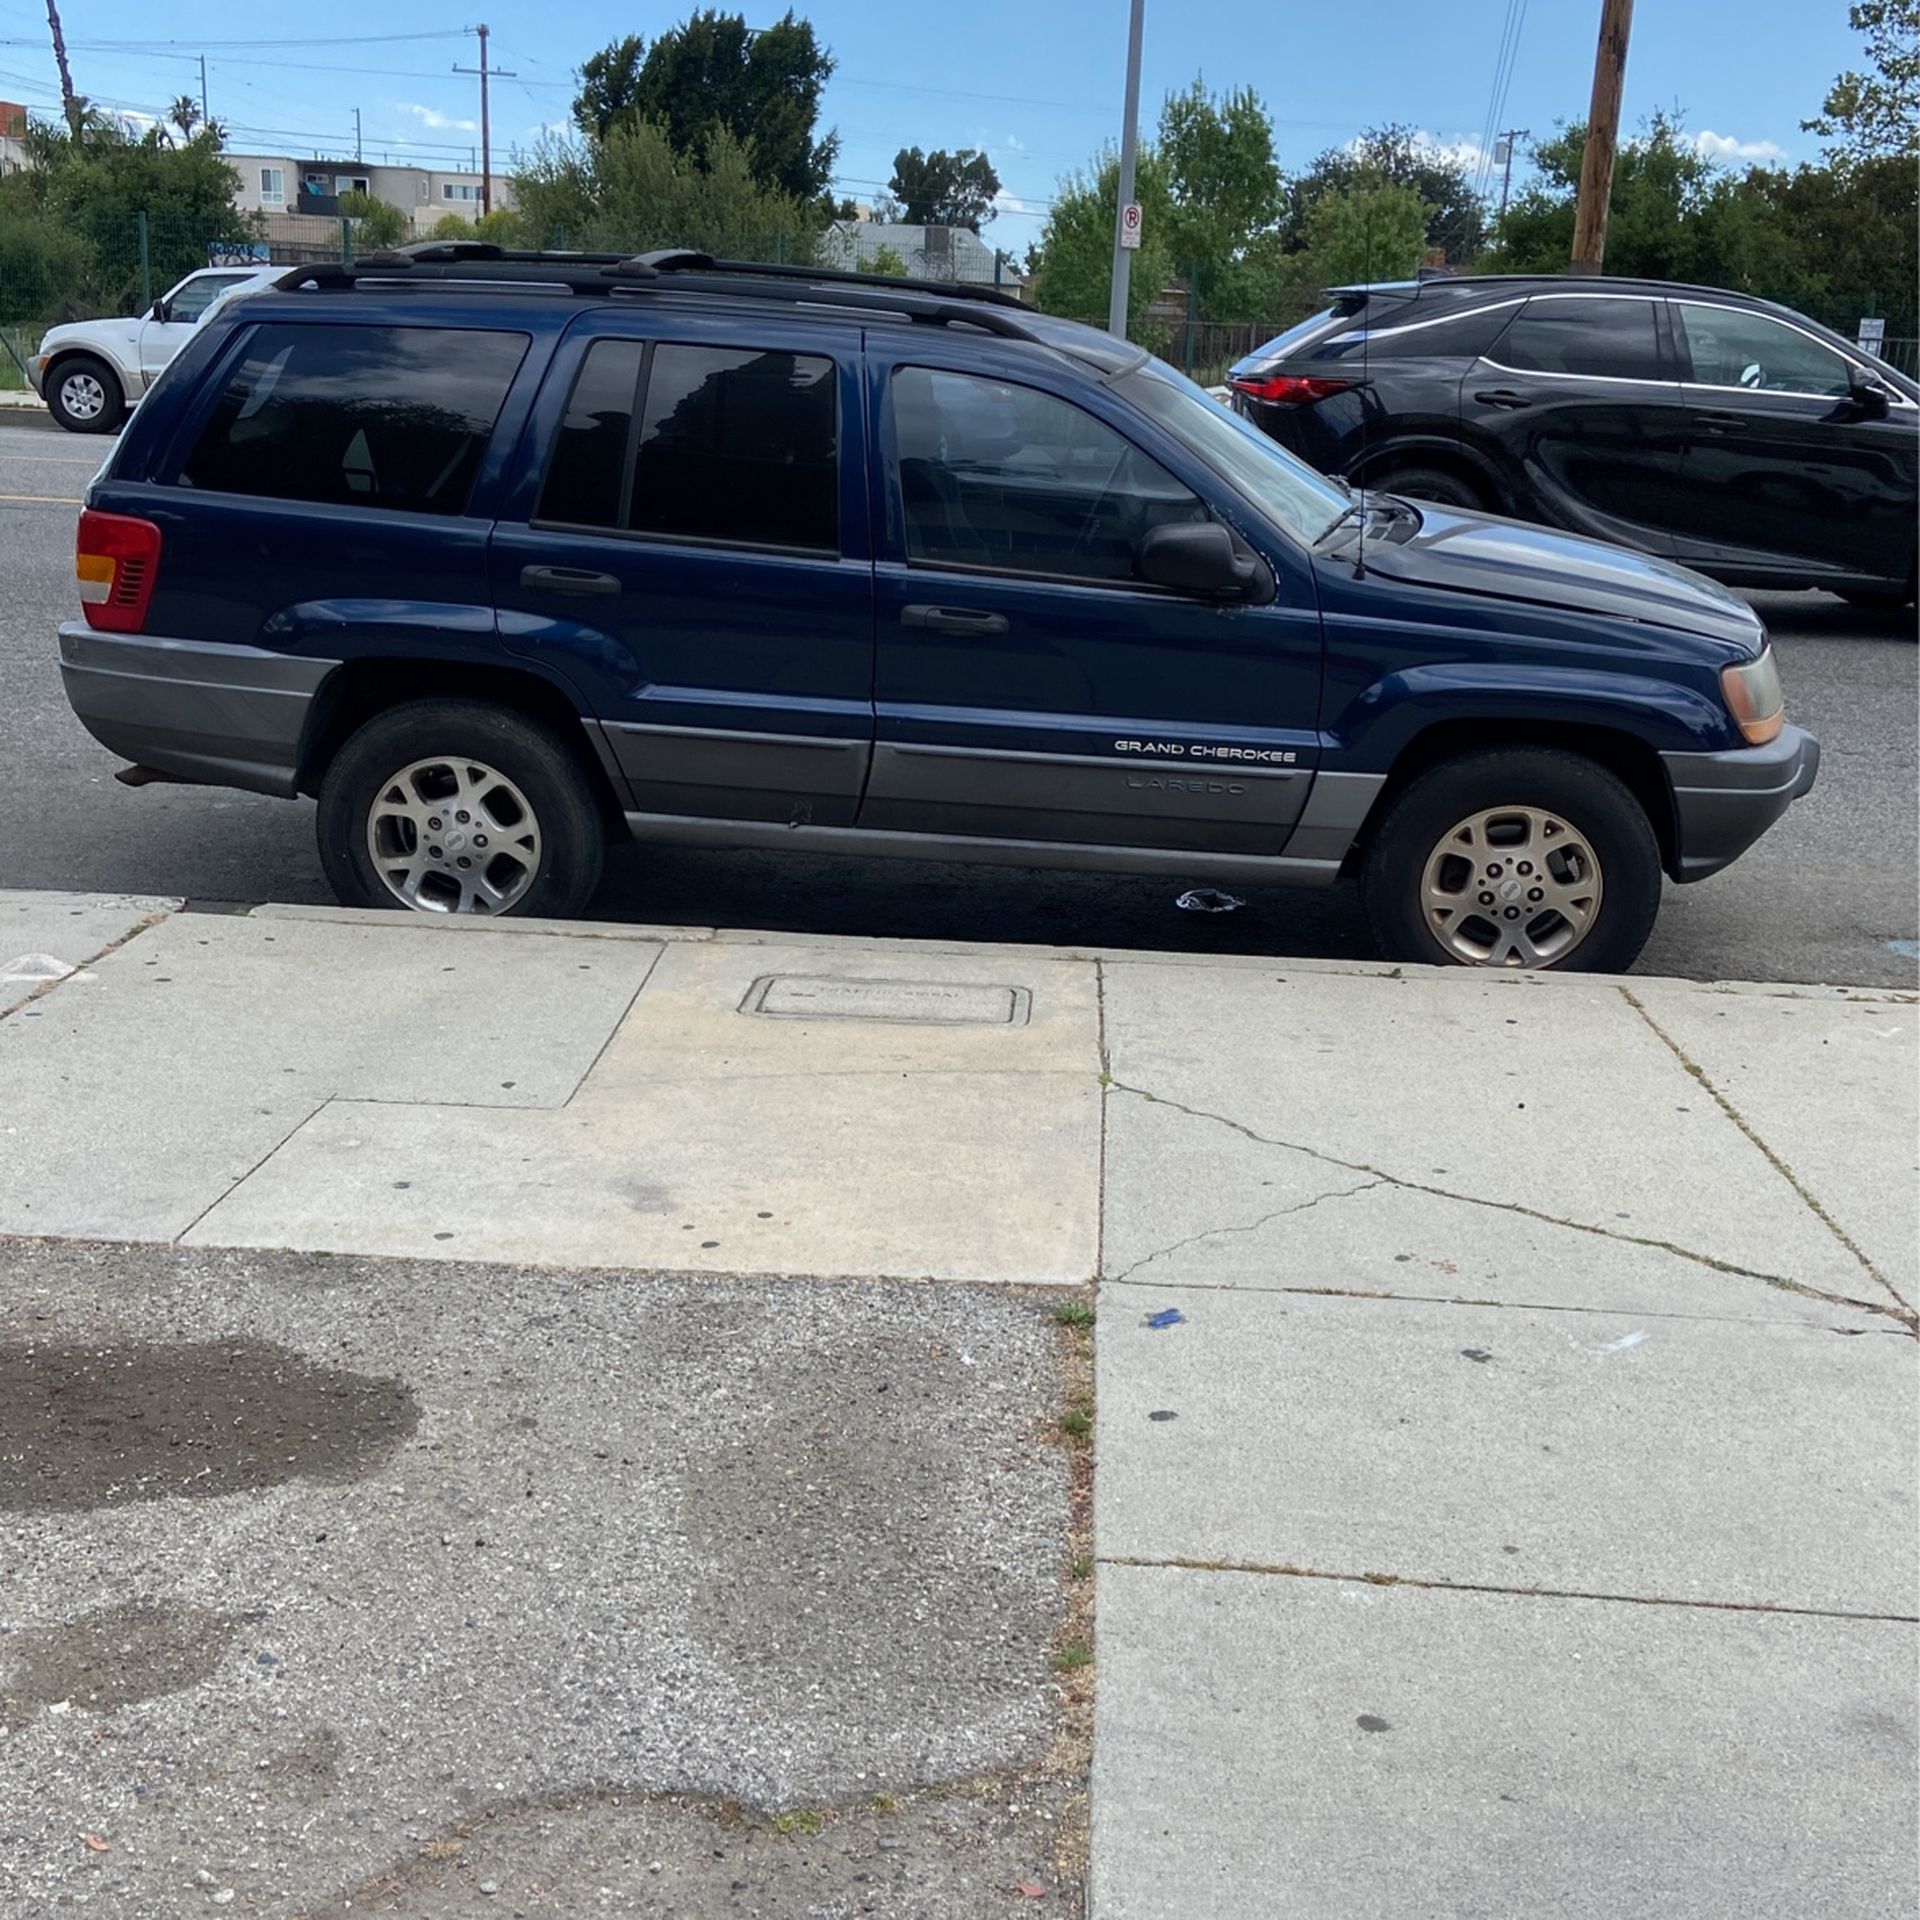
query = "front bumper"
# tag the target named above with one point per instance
(222, 716)
(1724, 802)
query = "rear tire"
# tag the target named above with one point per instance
(1443, 488)
(1869, 602)
(458, 806)
(1521, 858)
(83, 393)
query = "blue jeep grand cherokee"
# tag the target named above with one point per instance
(496, 554)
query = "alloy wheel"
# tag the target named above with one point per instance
(453, 836)
(1512, 887)
(82, 396)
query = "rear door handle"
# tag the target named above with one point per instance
(1721, 422)
(1503, 397)
(964, 620)
(581, 580)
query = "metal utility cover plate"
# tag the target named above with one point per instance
(929, 1003)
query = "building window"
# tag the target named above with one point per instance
(451, 190)
(273, 186)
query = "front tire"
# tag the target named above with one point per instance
(84, 395)
(458, 806)
(1514, 859)
(1443, 488)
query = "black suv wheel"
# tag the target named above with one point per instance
(1516, 859)
(455, 806)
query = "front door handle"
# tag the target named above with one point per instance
(1721, 422)
(1503, 397)
(582, 580)
(962, 620)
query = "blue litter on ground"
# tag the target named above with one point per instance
(1166, 1317)
(1906, 949)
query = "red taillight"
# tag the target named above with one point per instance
(116, 562)
(1288, 389)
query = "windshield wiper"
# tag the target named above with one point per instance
(1351, 511)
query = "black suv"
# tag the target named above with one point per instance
(499, 556)
(1720, 431)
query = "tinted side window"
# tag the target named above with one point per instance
(738, 445)
(1734, 349)
(198, 294)
(394, 417)
(1000, 476)
(1614, 338)
(587, 474)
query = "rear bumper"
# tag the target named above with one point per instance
(1724, 802)
(223, 716)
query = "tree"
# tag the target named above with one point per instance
(713, 74)
(1223, 187)
(1375, 229)
(376, 223)
(1397, 155)
(1876, 115)
(941, 189)
(886, 261)
(185, 114)
(609, 85)
(635, 190)
(1072, 263)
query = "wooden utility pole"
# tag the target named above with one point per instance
(69, 101)
(1603, 136)
(486, 73)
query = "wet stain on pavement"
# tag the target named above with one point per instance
(84, 1427)
(112, 1658)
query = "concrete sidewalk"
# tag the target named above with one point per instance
(1506, 1400)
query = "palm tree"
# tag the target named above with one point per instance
(185, 114)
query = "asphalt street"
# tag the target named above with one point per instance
(1829, 895)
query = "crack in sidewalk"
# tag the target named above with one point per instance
(1278, 1569)
(1251, 1226)
(93, 959)
(1379, 1176)
(1786, 1173)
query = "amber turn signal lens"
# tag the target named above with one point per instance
(1753, 697)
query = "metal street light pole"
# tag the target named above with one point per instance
(1129, 149)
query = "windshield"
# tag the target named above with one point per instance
(1288, 490)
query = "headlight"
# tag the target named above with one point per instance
(1753, 697)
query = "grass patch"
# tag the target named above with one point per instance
(801, 1820)
(1080, 1567)
(1072, 1657)
(1077, 1424)
(1074, 1313)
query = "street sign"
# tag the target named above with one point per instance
(1873, 333)
(1130, 224)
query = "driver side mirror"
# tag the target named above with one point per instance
(158, 311)
(1201, 558)
(1870, 397)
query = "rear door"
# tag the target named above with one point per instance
(687, 546)
(1581, 399)
(1028, 686)
(1785, 471)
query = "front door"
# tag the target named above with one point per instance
(1786, 472)
(160, 340)
(1028, 685)
(1587, 412)
(692, 556)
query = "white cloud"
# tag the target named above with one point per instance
(1723, 146)
(432, 117)
(1015, 144)
(1006, 203)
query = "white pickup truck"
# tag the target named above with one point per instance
(90, 372)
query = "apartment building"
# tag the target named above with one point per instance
(279, 184)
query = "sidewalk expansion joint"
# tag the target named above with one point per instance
(240, 1180)
(613, 1032)
(1506, 1306)
(91, 960)
(1279, 1570)
(1379, 1176)
(1786, 1173)
(1106, 1088)
(1251, 1226)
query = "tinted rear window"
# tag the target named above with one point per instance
(394, 417)
(1609, 338)
(732, 444)
(1291, 341)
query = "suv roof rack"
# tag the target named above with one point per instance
(670, 269)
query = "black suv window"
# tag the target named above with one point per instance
(358, 416)
(724, 443)
(1610, 338)
(1002, 476)
(1730, 348)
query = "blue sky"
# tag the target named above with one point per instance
(1037, 82)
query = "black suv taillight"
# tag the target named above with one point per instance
(1287, 389)
(116, 560)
